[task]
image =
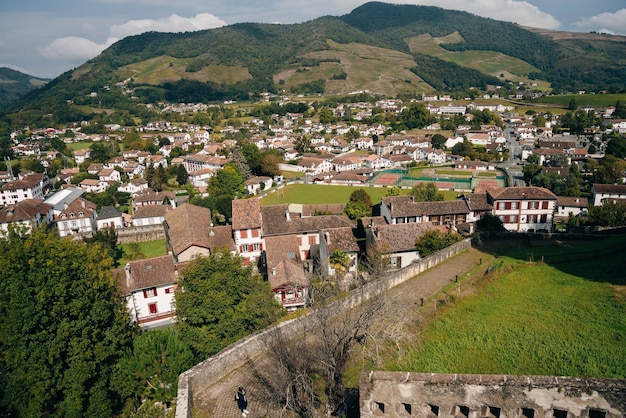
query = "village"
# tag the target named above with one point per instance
(289, 243)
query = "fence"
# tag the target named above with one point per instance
(213, 369)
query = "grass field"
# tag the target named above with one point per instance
(149, 249)
(564, 317)
(453, 173)
(75, 146)
(314, 193)
(599, 100)
(308, 194)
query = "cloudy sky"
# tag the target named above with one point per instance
(45, 38)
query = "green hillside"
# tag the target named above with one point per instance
(386, 49)
(14, 84)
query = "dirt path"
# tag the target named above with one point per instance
(404, 306)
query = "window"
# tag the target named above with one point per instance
(533, 205)
(244, 233)
(544, 205)
(152, 307)
(514, 205)
(312, 239)
(543, 218)
(243, 248)
(150, 293)
(169, 290)
(256, 246)
(255, 233)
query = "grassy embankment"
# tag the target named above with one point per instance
(562, 317)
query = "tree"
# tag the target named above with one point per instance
(63, 327)
(219, 300)
(616, 147)
(465, 149)
(149, 370)
(359, 204)
(572, 104)
(489, 225)
(298, 364)
(620, 110)
(270, 165)
(438, 141)
(426, 192)
(106, 238)
(609, 214)
(182, 177)
(100, 153)
(226, 182)
(239, 160)
(433, 241)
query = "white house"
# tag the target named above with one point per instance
(149, 286)
(79, 216)
(602, 192)
(523, 209)
(26, 213)
(109, 217)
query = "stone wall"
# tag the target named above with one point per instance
(422, 395)
(132, 234)
(211, 370)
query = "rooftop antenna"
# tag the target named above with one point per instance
(7, 160)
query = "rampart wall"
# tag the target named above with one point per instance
(236, 355)
(422, 395)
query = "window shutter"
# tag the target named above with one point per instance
(145, 293)
(544, 205)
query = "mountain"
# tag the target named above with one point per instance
(14, 84)
(392, 50)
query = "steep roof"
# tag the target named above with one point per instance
(221, 237)
(574, 202)
(25, 210)
(478, 202)
(400, 206)
(142, 274)
(278, 220)
(609, 188)
(188, 225)
(521, 193)
(151, 211)
(341, 239)
(246, 214)
(401, 237)
(109, 212)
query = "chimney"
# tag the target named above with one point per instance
(128, 274)
(327, 237)
(287, 216)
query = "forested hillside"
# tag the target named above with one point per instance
(376, 47)
(14, 84)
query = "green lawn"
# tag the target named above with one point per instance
(149, 249)
(598, 100)
(75, 146)
(487, 174)
(308, 194)
(314, 193)
(565, 318)
(453, 173)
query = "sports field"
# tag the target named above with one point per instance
(308, 194)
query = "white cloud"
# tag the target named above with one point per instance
(74, 48)
(173, 23)
(521, 12)
(605, 22)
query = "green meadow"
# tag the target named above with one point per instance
(565, 316)
(141, 250)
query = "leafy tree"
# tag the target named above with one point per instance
(63, 327)
(438, 141)
(149, 370)
(489, 225)
(572, 104)
(339, 260)
(106, 238)
(616, 147)
(220, 301)
(426, 192)
(433, 241)
(253, 156)
(465, 149)
(609, 214)
(270, 165)
(393, 191)
(100, 153)
(359, 204)
(226, 182)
